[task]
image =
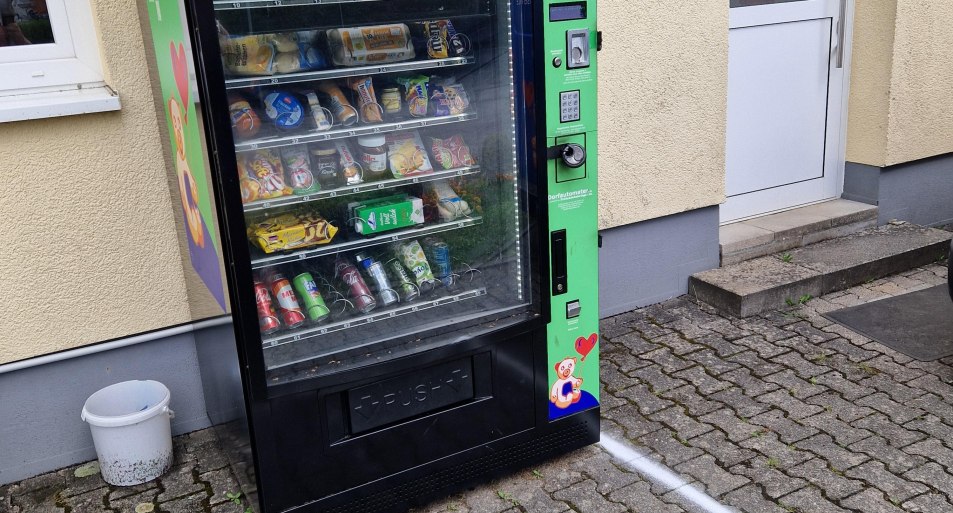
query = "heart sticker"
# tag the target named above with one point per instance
(180, 69)
(584, 345)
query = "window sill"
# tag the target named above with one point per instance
(21, 107)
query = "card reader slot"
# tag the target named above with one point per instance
(558, 255)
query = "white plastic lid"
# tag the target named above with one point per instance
(126, 403)
(371, 141)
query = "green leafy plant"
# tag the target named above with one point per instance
(537, 474)
(787, 257)
(790, 302)
(867, 369)
(773, 463)
(804, 299)
(236, 498)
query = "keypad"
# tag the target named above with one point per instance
(568, 106)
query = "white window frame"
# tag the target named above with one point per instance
(60, 78)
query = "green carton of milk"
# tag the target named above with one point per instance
(385, 214)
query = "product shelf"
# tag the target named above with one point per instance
(327, 74)
(364, 187)
(374, 316)
(227, 5)
(350, 245)
(351, 131)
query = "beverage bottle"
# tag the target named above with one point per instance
(378, 276)
(361, 295)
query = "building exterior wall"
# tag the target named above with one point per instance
(90, 251)
(901, 103)
(663, 81)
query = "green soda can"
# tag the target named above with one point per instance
(402, 281)
(311, 298)
(411, 254)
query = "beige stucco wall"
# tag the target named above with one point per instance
(663, 78)
(901, 99)
(89, 249)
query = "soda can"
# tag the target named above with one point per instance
(310, 296)
(439, 256)
(361, 295)
(402, 281)
(288, 307)
(411, 254)
(375, 271)
(267, 318)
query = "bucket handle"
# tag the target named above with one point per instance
(168, 411)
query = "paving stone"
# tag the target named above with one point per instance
(220, 482)
(679, 342)
(843, 433)
(760, 345)
(853, 352)
(728, 422)
(736, 399)
(837, 457)
(809, 500)
(525, 491)
(695, 403)
(639, 497)
(128, 503)
(749, 500)
(231, 507)
(179, 482)
(717, 444)
(802, 346)
(817, 472)
(635, 343)
(879, 449)
(76, 485)
(601, 468)
(877, 474)
(928, 503)
(899, 436)
(723, 348)
(626, 361)
(932, 426)
(716, 480)
(848, 334)
(631, 420)
(812, 334)
(933, 384)
(706, 383)
(666, 448)
(667, 360)
(755, 364)
(89, 502)
(800, 364)
(712, 362)
(613, 330)
(871, 501)
(776, 454)
(584, 497)
(934, 450)
(849, 390)
(612, 378)
(935, 406)
(679, 421)
(788, 430)
(752, 385)
(659, 381)
(841, 408)
(187, 504)
(487, 498)
(798, 387)
(558, 472)
(894, 389)
(645, 399)
(794, 407)
(896, 411)
(773, 482)
(725, 328)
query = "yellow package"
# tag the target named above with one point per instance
(291, 231)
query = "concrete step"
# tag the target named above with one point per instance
(794, 228)
(769, 282)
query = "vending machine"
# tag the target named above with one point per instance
(406, 196)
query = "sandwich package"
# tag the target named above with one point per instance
(450, 206)
(407, 154)
(270, 54)
(377, 44)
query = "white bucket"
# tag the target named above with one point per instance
(131, 431)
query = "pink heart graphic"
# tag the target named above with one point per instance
(180, 69)
(584, 345)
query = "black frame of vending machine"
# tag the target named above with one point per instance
(503, 428)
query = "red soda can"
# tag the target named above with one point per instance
(288, 307)
(361, 294)
(267, 318)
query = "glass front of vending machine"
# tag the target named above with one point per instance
(409, 235)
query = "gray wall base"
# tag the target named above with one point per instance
(646, 263)
(919, 192)
(40, 426)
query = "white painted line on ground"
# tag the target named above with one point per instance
(660, 474)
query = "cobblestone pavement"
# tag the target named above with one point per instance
(782, 412)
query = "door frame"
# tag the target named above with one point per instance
(737, 19)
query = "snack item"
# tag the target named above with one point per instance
(302, 57)
(449, 205)
(457, 98)
(297, 166)
(370, 110)
(291, 231)
(326, 165)
(439, 103)
(248, 55)
(407, 155)
(284, 110)
(319, 115)
(385, 214)
(411, 254)
(451, 153)
(416, 95)
(352, 170)
(373, 149)
(442, 39)
(391, 101)
(245, 122)
(344, 113)
(261, 176)
(376, 44)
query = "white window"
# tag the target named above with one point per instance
(49, 60)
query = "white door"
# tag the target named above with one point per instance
(786, 85)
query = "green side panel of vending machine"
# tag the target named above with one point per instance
(570, 45)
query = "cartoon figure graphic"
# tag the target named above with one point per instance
(188, 191)
(566, 391)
